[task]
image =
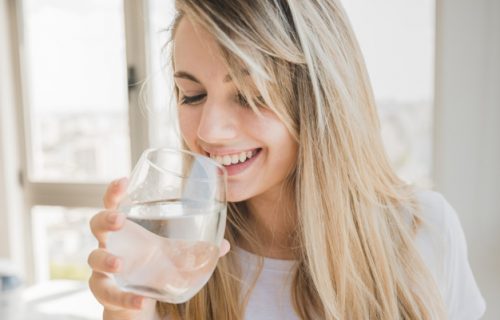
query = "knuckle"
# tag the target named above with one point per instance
(97, 221)
(92, 284)
(92, 258)
(108, 294)
(107, 199)
(108, 203)
(99, 289)
(94, 220)
(124, 299)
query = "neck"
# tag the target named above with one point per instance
(273, 217)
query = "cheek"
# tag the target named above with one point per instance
(284, 151)
(282, 147)
(188, 125)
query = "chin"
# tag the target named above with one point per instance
(237, 196)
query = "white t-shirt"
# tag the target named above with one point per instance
(440, 241)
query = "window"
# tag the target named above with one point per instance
(82, 124)
(62, 241)
(163, 131)
(397, 40)
(77, 132)
(76, 90)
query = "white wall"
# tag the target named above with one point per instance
(467, 130)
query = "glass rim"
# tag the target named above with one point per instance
(197, 156)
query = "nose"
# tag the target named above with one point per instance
(218, 123)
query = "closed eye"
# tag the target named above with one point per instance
(242, 101)
(192, 100)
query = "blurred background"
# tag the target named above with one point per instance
(72, 118)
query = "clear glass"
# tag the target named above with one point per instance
(176, 216)
(75, 71)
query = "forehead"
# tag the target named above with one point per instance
(196, 50)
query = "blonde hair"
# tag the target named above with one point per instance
(356, 220)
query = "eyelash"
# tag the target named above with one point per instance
(192, 100)
(242, 101)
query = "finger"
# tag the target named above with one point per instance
(110, 296)
(224, 248)
(114, 193)
(105, 221)
(101, 260)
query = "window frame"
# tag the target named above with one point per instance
(75, 194)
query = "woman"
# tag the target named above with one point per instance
(319, 224)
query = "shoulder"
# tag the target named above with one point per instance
(441, 242)
(439, 228)
(435, 232)
(434, 209)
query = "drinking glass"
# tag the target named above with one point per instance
(175, 207)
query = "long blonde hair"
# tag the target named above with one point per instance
(355, 253)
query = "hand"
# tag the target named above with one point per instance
(117, 304)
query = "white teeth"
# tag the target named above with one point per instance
(226, 160)
(243, 157)
(233, 158)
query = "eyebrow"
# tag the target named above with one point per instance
(188, 76)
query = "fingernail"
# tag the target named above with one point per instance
(111, 262)
(137, 302)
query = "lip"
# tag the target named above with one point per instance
(237, 168)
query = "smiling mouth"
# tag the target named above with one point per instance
(234, 158)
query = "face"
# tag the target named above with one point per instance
(257, 150)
